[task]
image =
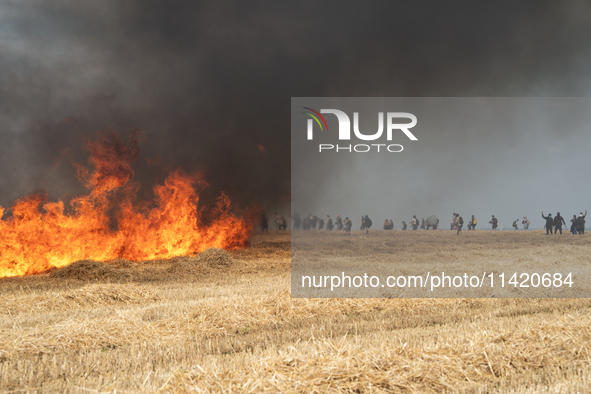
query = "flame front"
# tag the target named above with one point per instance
(42, 234)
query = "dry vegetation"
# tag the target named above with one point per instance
(225, 322)
(406, 253)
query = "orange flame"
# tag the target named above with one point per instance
(42, 234)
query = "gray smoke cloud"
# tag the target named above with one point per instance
(208, 82)
(507, 157)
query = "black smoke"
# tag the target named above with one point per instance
(207, 82)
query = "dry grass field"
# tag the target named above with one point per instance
(225, 322)
(478, 254)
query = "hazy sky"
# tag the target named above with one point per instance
(208, 82)
(506, 157)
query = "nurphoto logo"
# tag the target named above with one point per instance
(345, 130)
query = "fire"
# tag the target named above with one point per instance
(43, 234)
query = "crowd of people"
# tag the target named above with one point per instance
(577, 223)
(553, 224)
(280, 222)
(312, 222)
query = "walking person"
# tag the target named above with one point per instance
(339, 221)
(573, 226)
(277, 221)
(581, 223)
(558, 222)
(329, 223)
(414, 222)
(453, 223)
(495, 222)
(367, 224)
(388, 224)
(549, 222)
(515, 226)
(348, 225)
(525, 223)
(459, 223)
(472, 223)
(313, 221)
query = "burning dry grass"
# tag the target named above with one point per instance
(42, 235)
(231, 326)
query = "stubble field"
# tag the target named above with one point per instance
(225, 322)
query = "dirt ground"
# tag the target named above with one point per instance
(225, 322)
